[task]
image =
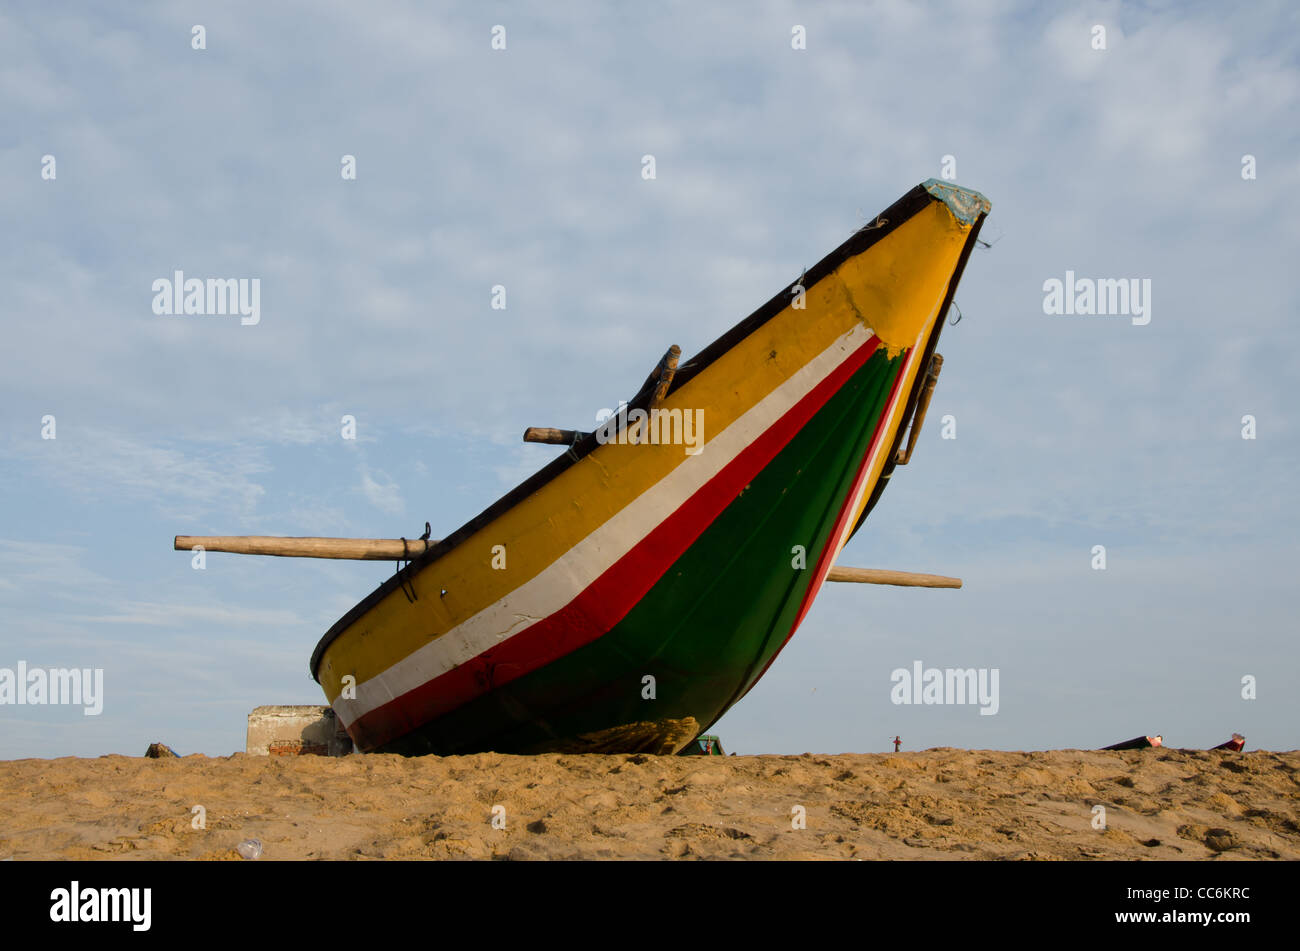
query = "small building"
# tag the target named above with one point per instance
(282, 730)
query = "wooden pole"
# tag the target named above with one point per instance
(661, 378)
(397, 549)
(354, 549)
(922, 404)
(905, 579)
(662, 375)
(667, 370)
(553, 437)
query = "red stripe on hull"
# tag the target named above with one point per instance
(608, 599)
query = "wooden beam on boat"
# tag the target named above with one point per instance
(553, 437)
(661, 377)
(404, 549)
(353, 549)
(905, 579)
(667, 370)
(922, 404)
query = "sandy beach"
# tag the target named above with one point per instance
(936, 804)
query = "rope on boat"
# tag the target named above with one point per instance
(403, 578)
(873, 225)
(572, 451)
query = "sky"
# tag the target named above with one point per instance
(1171, 155)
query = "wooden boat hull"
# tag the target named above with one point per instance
(627, 595)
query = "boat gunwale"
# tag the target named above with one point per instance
(904, 209)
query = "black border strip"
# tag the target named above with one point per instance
(896, 214)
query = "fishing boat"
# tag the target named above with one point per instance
(635, 588)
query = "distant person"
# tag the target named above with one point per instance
(1236, 744)
(898, 742)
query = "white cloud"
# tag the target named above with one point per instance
(108, 466)
(383, 493)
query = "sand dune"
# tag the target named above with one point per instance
(937, 804)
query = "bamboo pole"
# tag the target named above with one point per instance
(354, 549)
(662, 375)
(553, 437)
(923, 404)
(667, 370)
(397, 549)
(905, 579)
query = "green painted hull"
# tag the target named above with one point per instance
(708, 628)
